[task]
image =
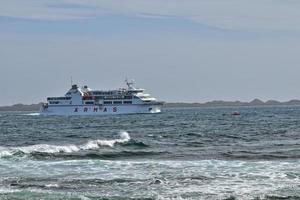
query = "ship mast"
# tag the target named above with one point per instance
(130, 83)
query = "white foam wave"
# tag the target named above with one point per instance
(33, 114)
(4, 153)
(46, 148)
(52, 185)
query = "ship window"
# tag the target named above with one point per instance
(89, 102)
(136, 97)
(87, 98)
(127, 102)
(107, 102)
(117, 102)
(58, 98)
(127, 97)
(113, 97)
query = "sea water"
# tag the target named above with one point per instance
(182, 153)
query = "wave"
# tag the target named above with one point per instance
(253, 155)
(135, 144)
(51, 149)
(97, 155)
(33, 114)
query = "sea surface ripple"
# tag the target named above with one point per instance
(182, 153)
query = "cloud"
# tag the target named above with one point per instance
(230, 14)
(184, 68)
(44, 10)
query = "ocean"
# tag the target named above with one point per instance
(182, 153)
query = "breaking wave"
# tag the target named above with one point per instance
(33, 114)
(50, 149)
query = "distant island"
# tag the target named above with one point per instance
(21, 107)
(255, 102)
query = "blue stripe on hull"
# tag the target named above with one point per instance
(99, 110)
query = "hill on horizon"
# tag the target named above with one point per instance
(216, 103)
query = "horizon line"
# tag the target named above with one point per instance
(255, 100)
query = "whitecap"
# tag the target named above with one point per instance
(46, 148)
(52, 185)
(5, 153)
(33, 114)
(8, 190)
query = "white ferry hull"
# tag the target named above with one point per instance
(99, 110)
(85, 101)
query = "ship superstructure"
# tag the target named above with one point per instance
(86, 101)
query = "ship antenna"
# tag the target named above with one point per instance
(127, 82)
(130, 83)
(71, 81)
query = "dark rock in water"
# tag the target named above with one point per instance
(230, 198)
(236, 113)
(14, 183)
(156, 182)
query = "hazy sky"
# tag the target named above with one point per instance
(179, 50)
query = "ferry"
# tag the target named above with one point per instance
(86, 101)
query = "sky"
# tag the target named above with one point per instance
(178, 50)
